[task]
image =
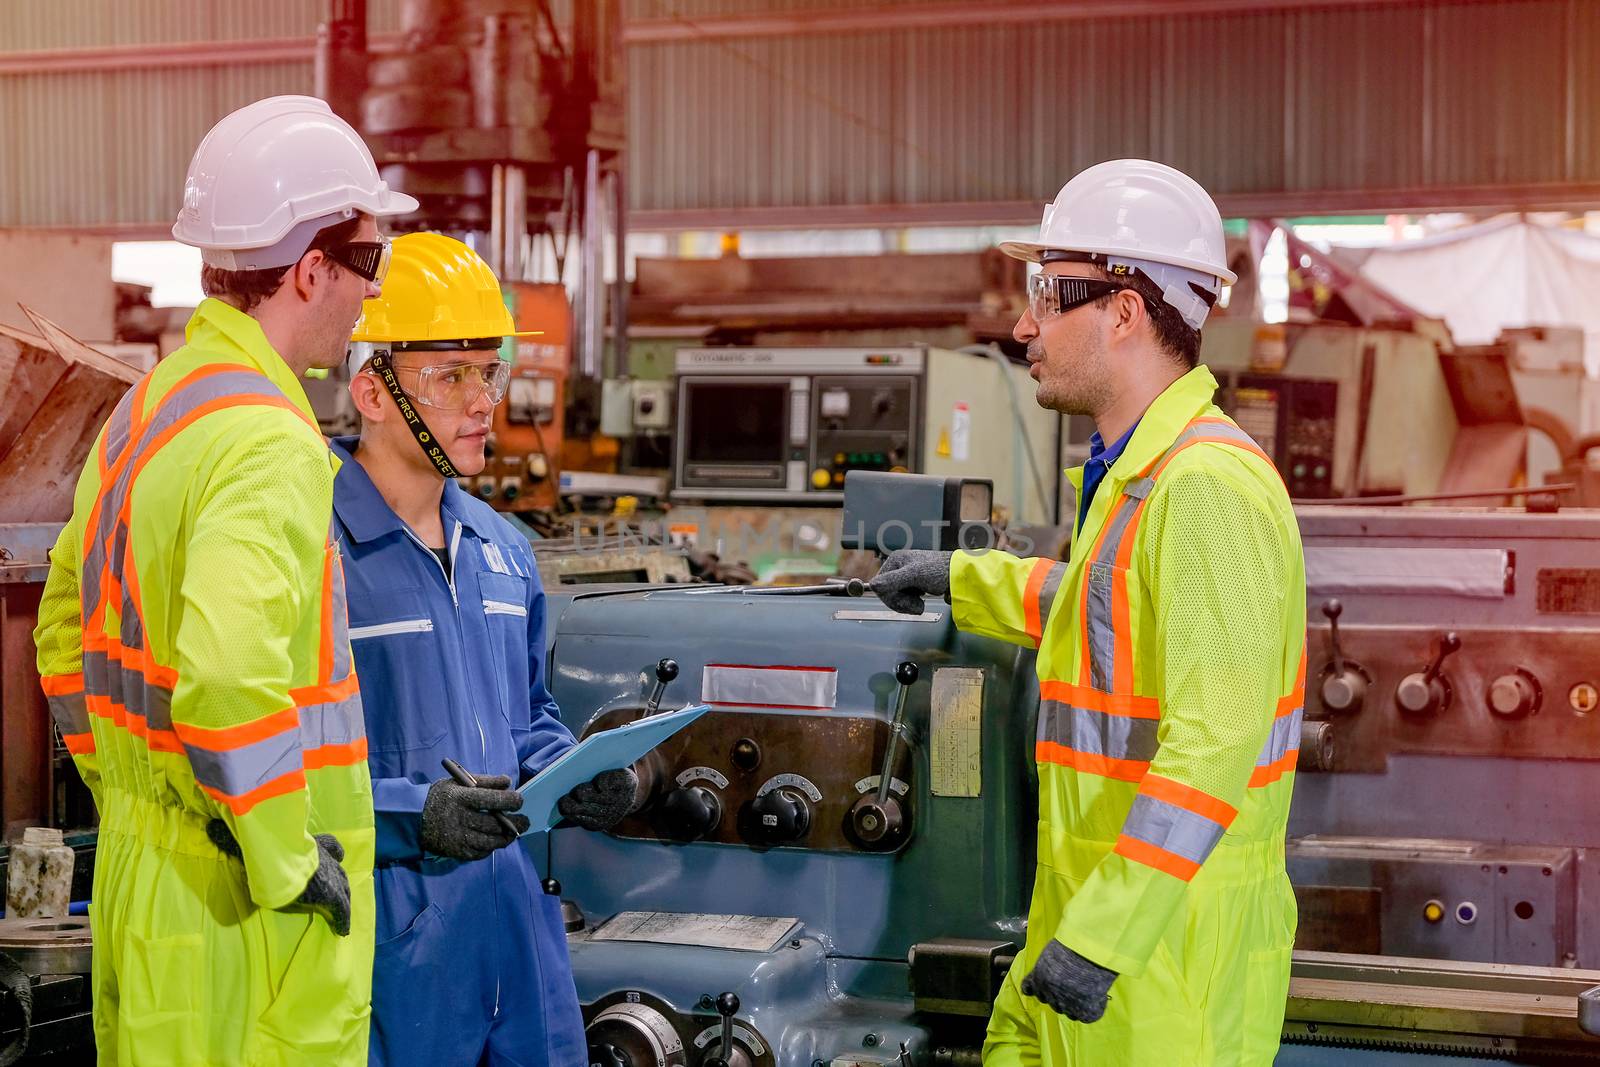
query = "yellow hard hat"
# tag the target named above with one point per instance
(437, 289)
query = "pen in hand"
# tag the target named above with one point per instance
(463, 777)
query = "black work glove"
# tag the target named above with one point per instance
(908, 575)
(1069, 984)
(599, 804)
(457, 820)
(329, 886)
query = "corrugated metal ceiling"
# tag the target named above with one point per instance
(1337, 108)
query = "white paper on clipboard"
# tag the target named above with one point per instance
(604, 751)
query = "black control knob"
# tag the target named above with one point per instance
(690, 813)
(1515, 695)
(778, 817)
(877, 826)
(551, 887)
(906, 673)
(1428, 692)
(1344, 683)
(745, 754)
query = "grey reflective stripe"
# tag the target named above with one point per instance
(119, 426)
(1284, 738)
(71, 713)
(337, 723)
(1048, 591)
(341, 621)
(127, 687)
(237, 771)
(1099, 627)
(1172, 829)
(1139, 488)
(171, 410)
(1120, 737)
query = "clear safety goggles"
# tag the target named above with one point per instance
(369, 259)
(457, 386)
(1057, 294)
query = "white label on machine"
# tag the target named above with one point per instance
(852, 615)
(703, 774)
(752, 686)
(956, 756)
(748, 933)
(961, 433)
(1465, 572)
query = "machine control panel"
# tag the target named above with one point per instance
(744, 776)
(1475, 693)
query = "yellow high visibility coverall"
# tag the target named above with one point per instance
(192, 641)
(1172, 671)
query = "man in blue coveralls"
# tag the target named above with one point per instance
(447, 626)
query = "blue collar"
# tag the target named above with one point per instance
(368, 516)
(1099, 453)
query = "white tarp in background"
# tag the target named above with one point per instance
(1501, 273)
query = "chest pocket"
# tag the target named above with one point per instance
(397, 657)
(505, 616)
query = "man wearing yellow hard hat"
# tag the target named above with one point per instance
(447, 627)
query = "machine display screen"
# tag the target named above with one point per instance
(736, 422)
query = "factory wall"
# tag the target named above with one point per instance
(1370, 106)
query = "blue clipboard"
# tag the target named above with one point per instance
(604, 751)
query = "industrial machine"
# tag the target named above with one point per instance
(785, 425)
(833, 865)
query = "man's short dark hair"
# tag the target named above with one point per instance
(1175, 336)
(246, 289)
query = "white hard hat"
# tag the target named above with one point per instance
(1143, 215)
(270, 175)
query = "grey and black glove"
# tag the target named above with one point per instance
(458, 820)
(910, 574)
(329, 886)
(599, 804)
(1069, 984)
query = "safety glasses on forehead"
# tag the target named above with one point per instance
(369, 259)
(1057, 294)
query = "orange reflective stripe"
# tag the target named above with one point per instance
(225, 738)
(1297, 696)
(1159, 858)
(61, 685)
(1189, 799)
(79, 744)
(1123, 770)
(1263, 776)
(346, 755)
(1031, 621)
(1083, 696)
(325, 694)
(239, 805)
(156, 739)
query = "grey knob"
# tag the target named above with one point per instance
(1418, 695)
(1345, 691)
(1514, 695)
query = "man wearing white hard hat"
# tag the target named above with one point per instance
(1171, 656)
(192, 636)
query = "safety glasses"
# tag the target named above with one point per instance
(1056, 294)
(369, 259)
(456, 386)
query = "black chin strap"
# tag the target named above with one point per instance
(419, 429)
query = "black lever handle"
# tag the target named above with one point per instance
(1449, 644)
(727, 1007)
(1333, 609)
(666, 671)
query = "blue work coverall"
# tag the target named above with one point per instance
(471, 962)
